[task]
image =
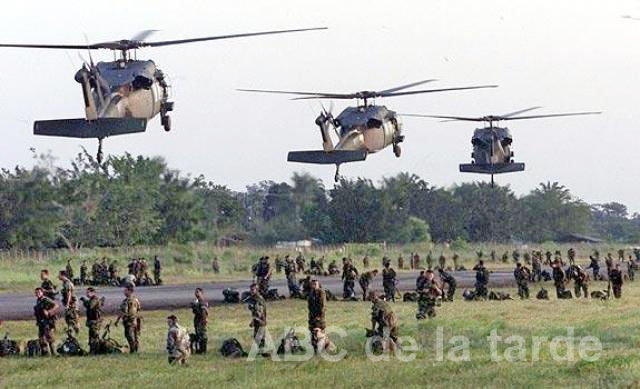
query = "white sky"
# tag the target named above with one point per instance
(563, 55)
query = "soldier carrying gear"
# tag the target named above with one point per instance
(615, 277)
(580, 278)
(425, 280)
(47, 286)
(157, 269)
(349, 274)
(400, 262)
(384, 322)
(427, 300)
(631, 269)
(316, 302)
(300, 263)
(448, 279)
(263, 275)
(365, 280)
(609, 262)
(200, 308)
(130, 315)
(333, 268)
(45, 313)
(537, 267)
(69, 269)
(178, 344)
(571, 254)
(442, 261)
(67, 288)
(72, 316)
(113, 272)
(258, 308)
(558, 279)
(389, 282)
(93, 307)
(365, 262)
(522, 274)
(292, 282)
(482, 279)
(595, 266)
(83, 273)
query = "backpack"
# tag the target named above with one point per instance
(290, 344)
(543, 294)
(106, 345)
(231, 296)
(231, 348)
(9, 347)
(70, 347)
(34, 349)
(410, 296)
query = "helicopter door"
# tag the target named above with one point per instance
(374, 135)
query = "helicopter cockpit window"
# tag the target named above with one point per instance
(141, 82)
(374, 123)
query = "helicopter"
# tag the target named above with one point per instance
(492, 152)
(120, 96)
(361, 130)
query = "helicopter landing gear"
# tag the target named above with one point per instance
(397, 150)
(99, 155)
(165, 119)
(336, 178)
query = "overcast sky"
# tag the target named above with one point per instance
(560, 54)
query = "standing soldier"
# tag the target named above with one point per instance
(429, 260)
(263, 275)
(621, 255)
(548, 255)
(482, 279)
(83, 272)
(580, 278)
(157, 269)
(279, 264)
(200, 308)
(516, 256)
(316, 302)
(300, 263)
(427, 299)
(456, 259)
(93, 307)
(321, 265)
(595, 266)
(113, 271)
(67, 288)
(558, 279)
(416, 261)
(571, 254)
(215, 266)
(400, 262)
(365, 262)
(448, 279)
(384, 322)
(522, 274)
(130, 315)
(292, 282)
(442, 261)
(349, 274)
(631, 269)
(45, 313)
(389, 282)
(609, 263)
(72, 316)
(69, 269)
(365, 280)
(47, 286)
(615, 276)
(537, 267)
(258, 308)
(178, 344)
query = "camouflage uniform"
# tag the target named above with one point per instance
(595, 266)
(521, 274)
(448, 279)
(482, 280)
(258, 308)
(83, 273)
(400, 262)
(316, 302)
(129, 312)
(349, 274)
(67, 291)
(49, 289)
(537, 268)
(200, 310)
(178, 345)
(365, 262)
(215, 266)
(72, 316)
(616, 282)
(426, 304)
(558, 280)
(263, 275)
(292, 283)
(580, 278)
(93, 307)
(69, 269)
(389, 283)
(113, 271)
(157, 269)
(46, 324)
(365, 280)
(386, 324)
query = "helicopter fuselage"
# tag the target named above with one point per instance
(369, 128)
(491, 146)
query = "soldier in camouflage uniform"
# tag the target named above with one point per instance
(349, 274)
(609, 263)
(389, 282)
(427, 299)
(425, 280)
(448, 279)
(47, 286)
(365, 280)
(631, 269)
(615, 275)
(333, 268)
(365, 262)
(67, 288)
(72, 316)
(292, 282)
(215, 266)
(400, 262)
(316, 302)
(130, 315)
(258, 308)
(571, 254)
(300, 263)
(521, 274)
(178, 344)
(93, 307)
(263, 275)
(594, 265)
(157, 270)
(278, 264)
(83, 273)
(384, 322)
(442, 261)
(558, 279)
(113, 271)
(482, 279)
(45, 313)
(581, 281)
(536, 266)
(69, 269)
(200, 308)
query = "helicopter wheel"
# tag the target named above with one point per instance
(397, 150)
(166, 123)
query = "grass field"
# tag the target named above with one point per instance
(19, 271)
(613, 322)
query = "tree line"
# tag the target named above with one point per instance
(130, 200)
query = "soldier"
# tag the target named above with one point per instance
(258, 308)
(416, 260)
(113, 272)
(278, 263)
(349, 274)
(389, 282)
(400, 262)
(300, 263)
(548, 255)
(425, 280)
(456, 259)
(83, 272)
(215, 266)
(621, 255)
(521, 274)
(493, 256)
(505, 257)
(316, 302)
(448, 279)
(263, 275)
(527, 258)
(365, 280)
(72, 316)
(157, 269)
(384, 322)
(427, 299)
(516, 256)
(442, 261)
(93, 308)
(537, 267)
(69, 269)
(558, 279)
(313, 266)
(67, 288)
(45, 313)
(580, 278)
(47, 286)
(130, 315)
(365, 262)
(320, 264)
(631, 269)
(482, 279)
(571, 254)
(178, 344)
(609, 263)
(333, 268)
(615, 276)
(595, 266)
(200, 309)
(292, 282)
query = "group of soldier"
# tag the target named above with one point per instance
(107, 273)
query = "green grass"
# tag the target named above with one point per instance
(614, 322)
(191, 263)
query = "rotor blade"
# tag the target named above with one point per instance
(407, 86)
(142, 35)
(311, 95)
(435, 90)
(553, 115)
(519, 112)
(443, 117)
(44, 46)
(211, 38)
